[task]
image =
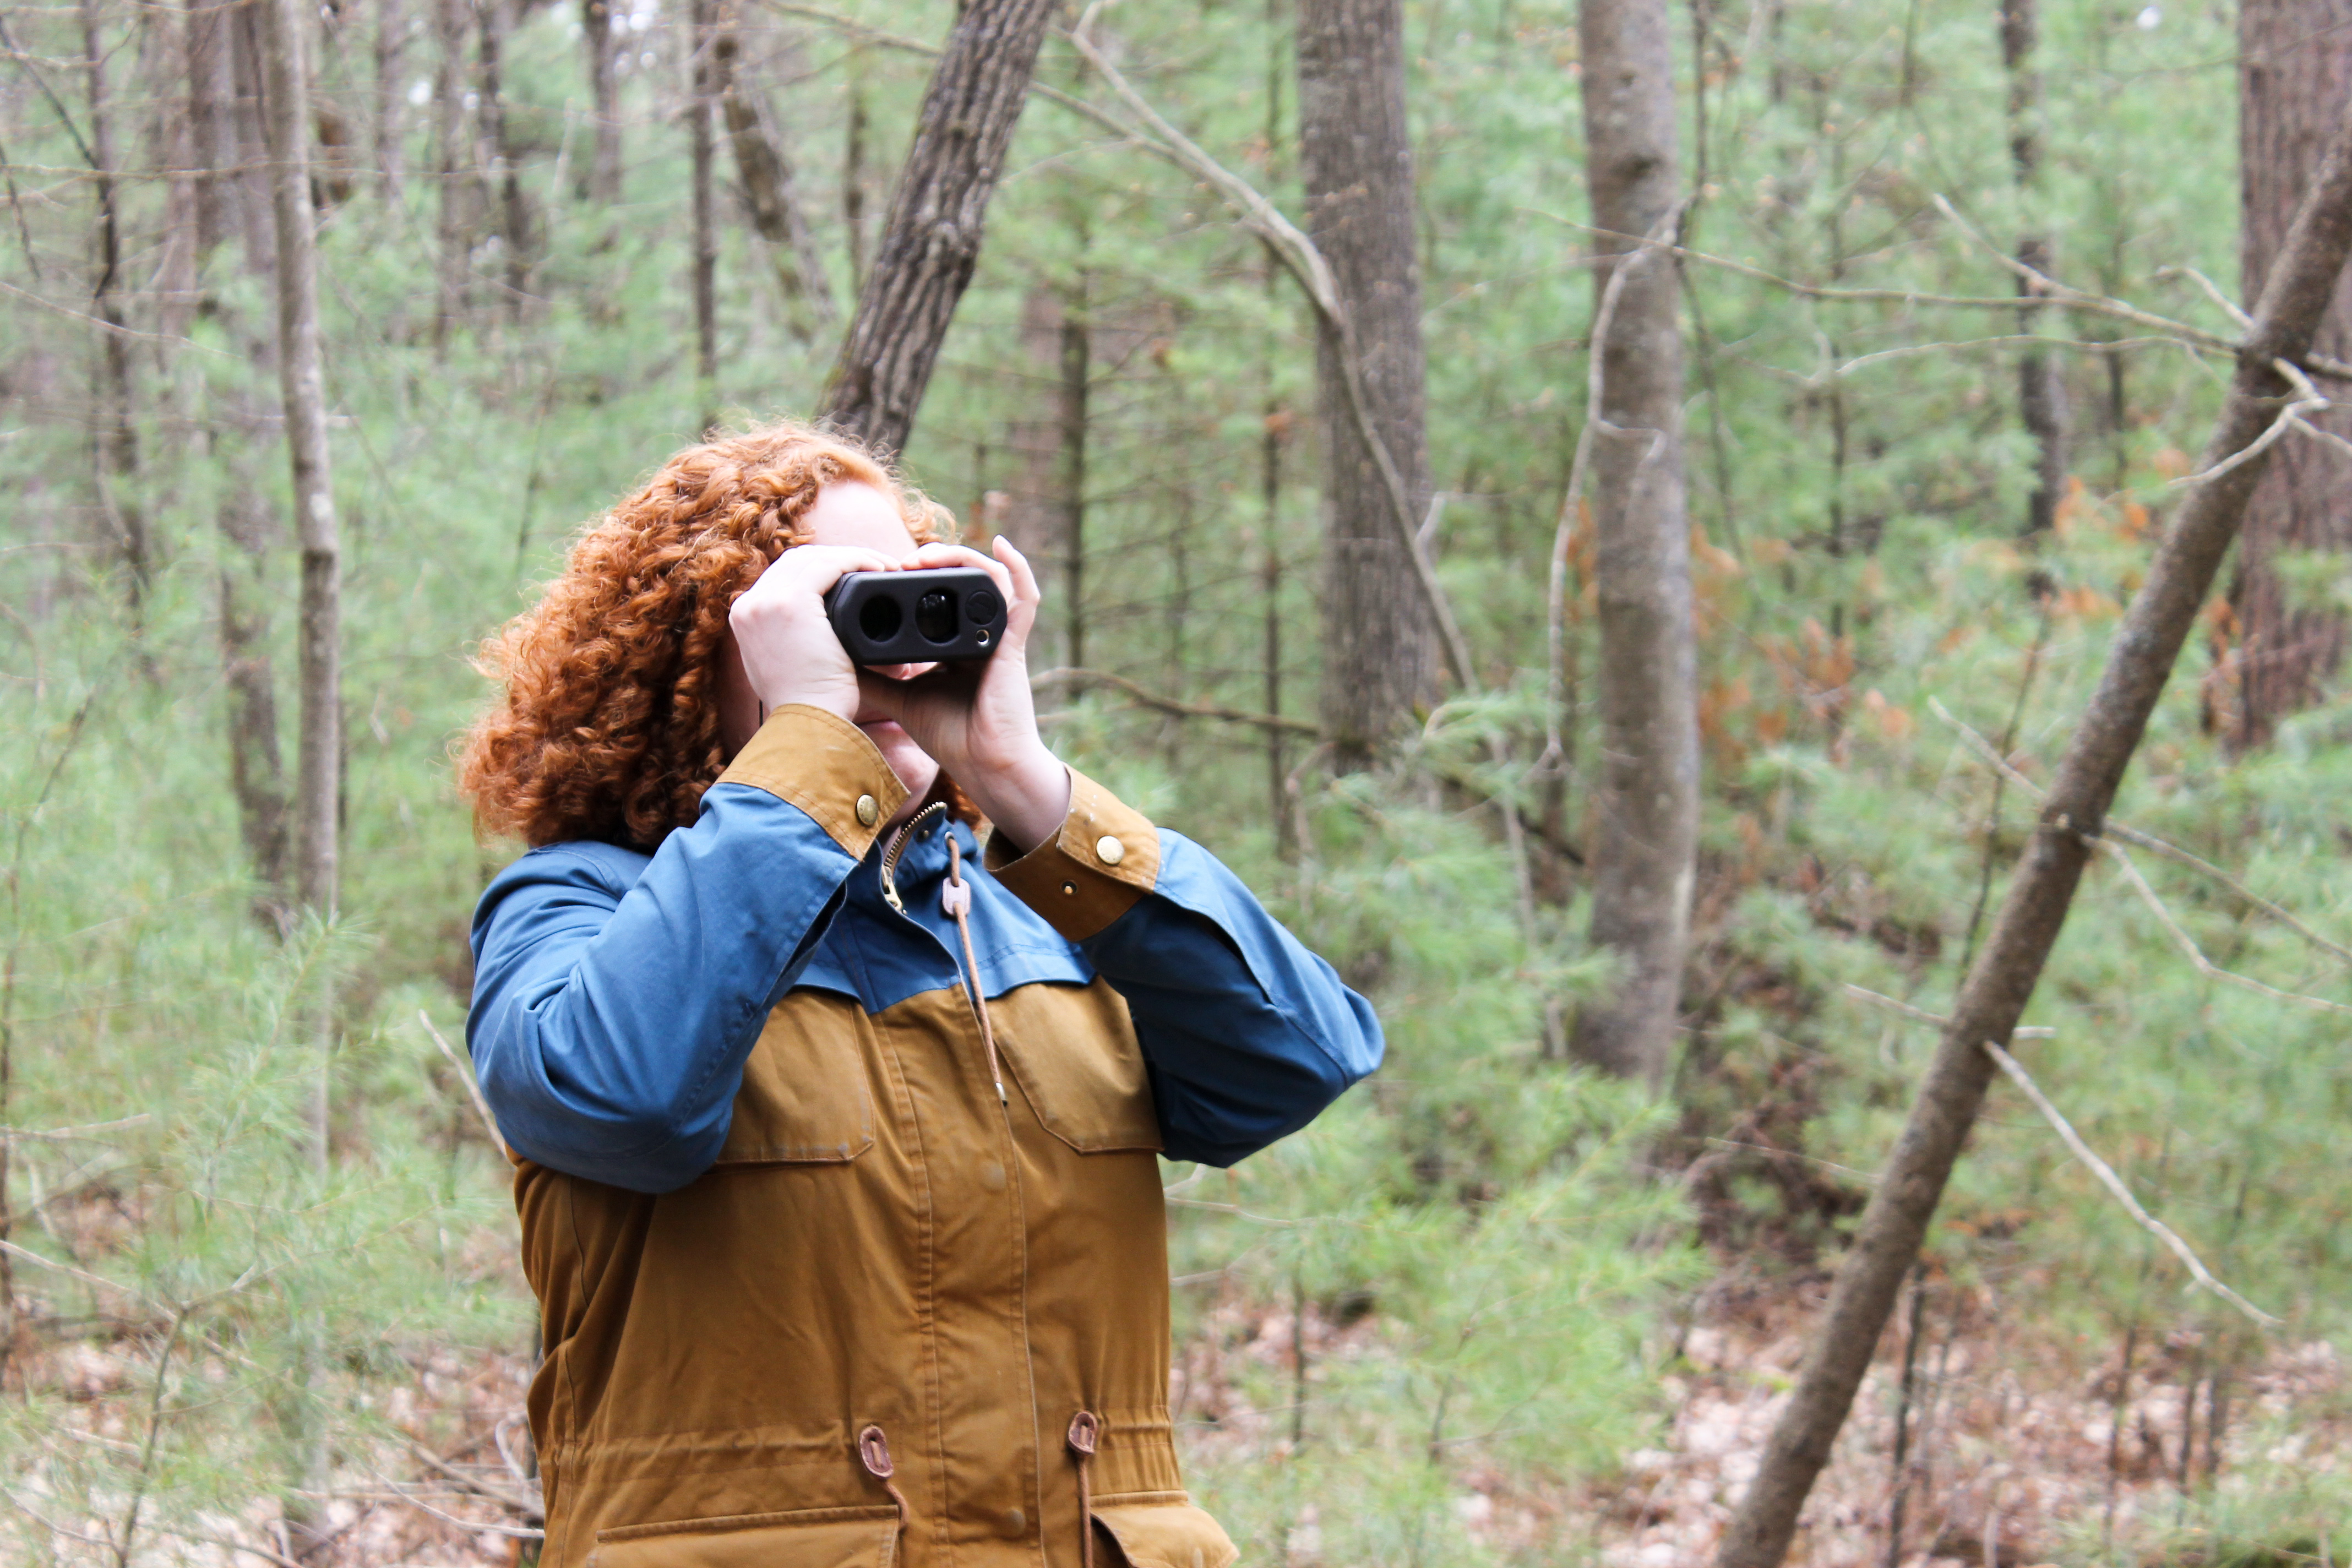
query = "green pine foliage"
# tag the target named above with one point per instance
(1461, 1288)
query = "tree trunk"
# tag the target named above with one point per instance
(2001, 981)
(769, 194)
(115, 450)
(302, 377)
(2295, 65)
(389, 133)
(1356, 157)
(603, 182)
(1646, 830)
(853, 177)
(1076, 356)
(931, 242)
(2041, 389)
(701, 43)
(507, 168)
(452, 168)
(317, 791)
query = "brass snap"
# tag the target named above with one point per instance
(1015, 1521)
(1110, 850)
(992, 1176)
(1069, 889)
(868, 808)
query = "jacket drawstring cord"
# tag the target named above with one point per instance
(957, 896)
(1086, 1435)
(875, 1450)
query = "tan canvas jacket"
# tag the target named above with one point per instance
(886, 1326)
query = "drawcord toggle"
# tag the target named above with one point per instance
(955, 896)
(874, 1449)
(1085, 1436)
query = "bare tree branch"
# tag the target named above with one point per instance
(2115, 1184)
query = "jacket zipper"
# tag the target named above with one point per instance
(957, 898)
(915, 824)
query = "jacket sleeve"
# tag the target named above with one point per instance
(1248, 1034)
(616, 998)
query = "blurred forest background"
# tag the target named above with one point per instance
(1663, 861)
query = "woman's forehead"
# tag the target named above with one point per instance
(855, 513)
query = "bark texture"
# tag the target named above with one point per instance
(116, 449)
(702, 24)
(452, 169)
(2001, 981)
(2296, 69)
(2041, 389)
(302, 383)
(505, 164)
(603, 180)
(932, 241)
(1645, 810)
(1076, 359)
(770, 193)
(1356, 159)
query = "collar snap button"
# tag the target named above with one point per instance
(1110, 850)
(868, 810)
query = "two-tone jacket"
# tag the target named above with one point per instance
(828, 1279)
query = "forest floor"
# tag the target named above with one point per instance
(2013, 1453)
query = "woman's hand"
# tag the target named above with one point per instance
(978, 718)
(788, 649)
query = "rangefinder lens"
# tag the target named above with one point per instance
(980, 606)
(935, 616)
(879, 618)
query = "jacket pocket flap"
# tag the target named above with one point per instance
(810, 1538)
(1074, 1054)
(1167, 1535)
(805, 1098)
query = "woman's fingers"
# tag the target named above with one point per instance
(938, 555)
(1022, 591)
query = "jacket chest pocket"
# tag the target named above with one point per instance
(1072, 1048)
(807, 1095)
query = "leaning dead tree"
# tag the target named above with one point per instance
(1646, 805)
(932, 241)
(2268, 395)
(1355, 155)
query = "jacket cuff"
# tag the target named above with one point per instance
(825, 765)
(1099, 867)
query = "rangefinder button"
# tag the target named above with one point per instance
(1110, 850)
(868, 808)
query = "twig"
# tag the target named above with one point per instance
(465, 1075)
(1074, 676)
(2308, 402)
(528, 1507)
(2229, 307)
(1936, 1020)
(228, 1545)
(1604, 319)
(2115, 1184)
(2065, 299)
(1305, 262)
(67, 1135)
(2196, 955)
(2149, 842)
(518, 1532)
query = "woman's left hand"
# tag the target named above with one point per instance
(977, 719)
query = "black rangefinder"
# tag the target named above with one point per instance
(943, 614)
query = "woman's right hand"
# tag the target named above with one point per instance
(788, 649)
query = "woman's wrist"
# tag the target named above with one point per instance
(1026, 799)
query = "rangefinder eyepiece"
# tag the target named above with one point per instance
(941, 615)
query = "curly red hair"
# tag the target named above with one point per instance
(609, 725)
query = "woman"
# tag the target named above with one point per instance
(835, 1134)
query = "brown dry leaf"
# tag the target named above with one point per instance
(2171, 463)
(2135, 522)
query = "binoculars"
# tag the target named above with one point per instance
(941, 615)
